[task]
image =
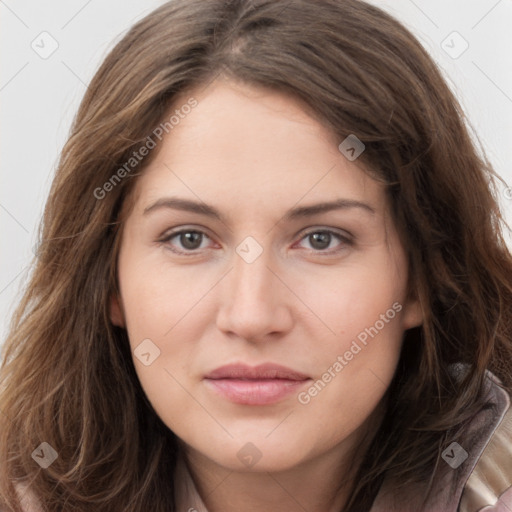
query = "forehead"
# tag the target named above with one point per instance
(242, 142)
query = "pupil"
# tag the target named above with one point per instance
(320, 240)
(189, 240)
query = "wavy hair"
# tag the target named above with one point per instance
(67, 376)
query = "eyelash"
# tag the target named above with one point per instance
(345, 240)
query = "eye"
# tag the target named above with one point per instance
(186, 240)
(324, 240)
(191, 241)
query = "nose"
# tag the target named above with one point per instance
(255, 304)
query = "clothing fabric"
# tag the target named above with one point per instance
(482, 482)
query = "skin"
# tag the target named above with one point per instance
(254, 154)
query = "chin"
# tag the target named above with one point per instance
(257, 454)
(267, 464)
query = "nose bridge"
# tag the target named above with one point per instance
(253, 302)
(251, 278)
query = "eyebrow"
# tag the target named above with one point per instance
(201, 208)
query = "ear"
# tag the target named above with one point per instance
(116, 311)
(412, 315)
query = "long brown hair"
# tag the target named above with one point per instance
(67, 377)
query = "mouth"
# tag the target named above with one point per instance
(260, 385)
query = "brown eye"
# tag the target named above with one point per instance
(190, 239)
(320, 240)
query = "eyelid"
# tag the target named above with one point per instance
(324, 229)
(184, 228)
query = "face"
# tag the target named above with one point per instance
(262, 283)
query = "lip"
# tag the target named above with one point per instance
(255, 385)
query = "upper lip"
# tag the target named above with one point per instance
(262, 371)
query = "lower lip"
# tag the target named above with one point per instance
(256, 392)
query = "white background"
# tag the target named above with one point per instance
(39, 97)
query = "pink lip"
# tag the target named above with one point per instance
(259, 385)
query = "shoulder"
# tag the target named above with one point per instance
(488, 486)
(475, 474)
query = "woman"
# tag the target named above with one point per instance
(271, 277)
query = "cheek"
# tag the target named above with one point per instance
(362, 302)
(163, 312)
(157, 298)
(361, 347)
